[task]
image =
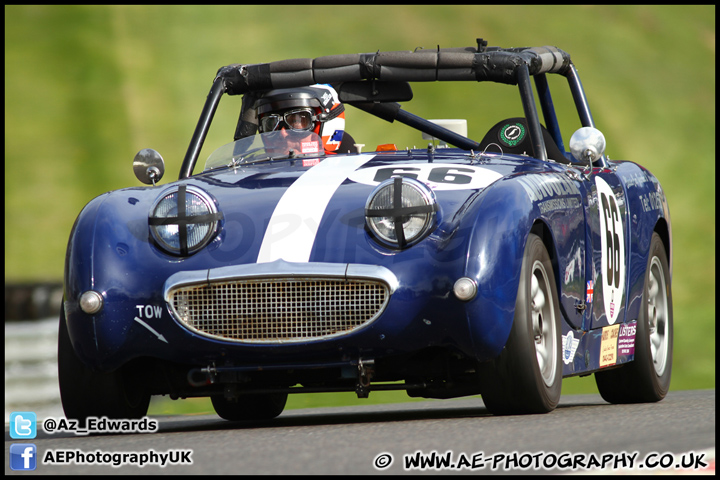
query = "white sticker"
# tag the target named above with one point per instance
(310, 147)
(612, 240)
(569, 347)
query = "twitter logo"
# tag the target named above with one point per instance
(23, 425)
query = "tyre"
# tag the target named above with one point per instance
(527, 376)
(647, 377)
(85, 393)
(249, 407)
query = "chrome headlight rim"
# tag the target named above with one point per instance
(428, 208)
(182, 220)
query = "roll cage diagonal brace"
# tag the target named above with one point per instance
(391, 111)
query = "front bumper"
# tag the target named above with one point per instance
(239, 327)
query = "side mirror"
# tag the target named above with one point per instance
(148, 166)
(587, 144)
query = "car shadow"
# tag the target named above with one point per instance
(381, 413)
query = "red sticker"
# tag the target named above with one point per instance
(311, 163)
(309, 147)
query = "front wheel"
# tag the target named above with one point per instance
(85, 393)
(527, 376)
(647, 377)
(249, 407)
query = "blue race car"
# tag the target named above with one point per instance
(294, 261)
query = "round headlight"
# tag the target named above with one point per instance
(184, 220)
(400, 211)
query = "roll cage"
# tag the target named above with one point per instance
(375, 82)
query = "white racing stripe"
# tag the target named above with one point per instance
(294, 223)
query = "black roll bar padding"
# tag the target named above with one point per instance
(201, 130)
(528, 101)
(374, 91)
(453, 64)
(392, 111)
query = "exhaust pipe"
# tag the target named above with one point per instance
(200, 377)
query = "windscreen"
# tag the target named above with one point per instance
(276, 145)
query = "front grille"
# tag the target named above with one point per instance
(279, 310)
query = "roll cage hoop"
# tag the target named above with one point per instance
(374, 82)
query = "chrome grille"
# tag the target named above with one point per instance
(279, 310)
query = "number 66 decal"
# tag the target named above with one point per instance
(612, 239)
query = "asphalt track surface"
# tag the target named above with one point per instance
(376, 439)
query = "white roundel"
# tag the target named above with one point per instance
(612, 240)
(437, 176)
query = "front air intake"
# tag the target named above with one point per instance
(279, 310)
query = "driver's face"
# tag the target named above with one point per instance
(290, 129)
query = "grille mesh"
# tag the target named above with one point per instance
(279, 310)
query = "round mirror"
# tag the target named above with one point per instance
(587, 144)
(148, 166)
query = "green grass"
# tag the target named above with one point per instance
(86, 87)
(197, 406)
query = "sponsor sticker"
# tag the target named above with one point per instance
(609, 345)
(310, 147)
(512, 134)
(626, 338)
(311, 162)
(569, 347)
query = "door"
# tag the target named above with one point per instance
(606, 279)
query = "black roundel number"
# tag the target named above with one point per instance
(612, 240)
(452, 175)
(612, 217)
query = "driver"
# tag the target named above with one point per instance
(294, 111)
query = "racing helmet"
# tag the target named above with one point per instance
(329, 113)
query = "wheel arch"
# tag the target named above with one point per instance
(507, 250)
(542, 230)
(662, 228)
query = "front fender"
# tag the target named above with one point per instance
(495, 253)
(109, 251)
(510, 210)
(79, 278)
